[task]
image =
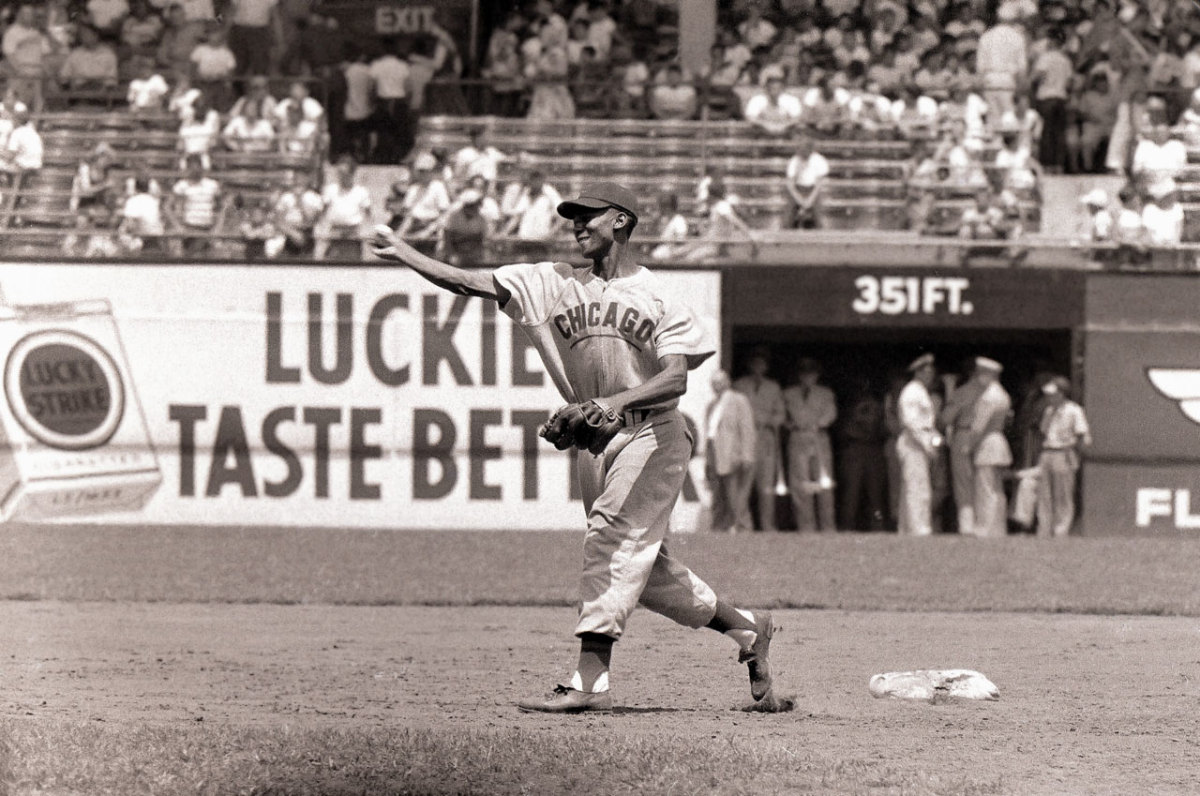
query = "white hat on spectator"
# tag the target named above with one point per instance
(425, 162)
(988, 365)
(1097, 197)
(1008, 12)
(470, 197)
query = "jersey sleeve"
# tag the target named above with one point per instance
(678, 332)
(532, 288)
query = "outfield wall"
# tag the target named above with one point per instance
(364, 397)
(1142, 377)
(359, 397)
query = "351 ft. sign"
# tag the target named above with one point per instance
(912, 295)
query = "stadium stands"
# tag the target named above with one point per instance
(37, 206)
(867, 175)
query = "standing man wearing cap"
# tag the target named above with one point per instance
(957, 418)
(810, 409)
(990, 452)
(610, 333)
(917, 447)
(1065, 435)
(766, 398)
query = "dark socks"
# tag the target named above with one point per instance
(729, 618)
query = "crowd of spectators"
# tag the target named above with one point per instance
(993, 94)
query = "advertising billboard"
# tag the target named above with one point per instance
(1142, 383)
(303, 396)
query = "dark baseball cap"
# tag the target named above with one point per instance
(599, 196)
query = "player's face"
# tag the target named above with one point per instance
(594, 232)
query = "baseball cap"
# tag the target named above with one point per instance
(470, 197)
(920, 362)
(598, 196)
(989, 365)
(1097, 197)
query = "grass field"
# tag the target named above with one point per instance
(233, 660)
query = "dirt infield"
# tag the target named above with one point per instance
(1089, 704)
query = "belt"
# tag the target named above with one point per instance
(1059, 450)
(634, 416)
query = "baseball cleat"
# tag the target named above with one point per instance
(568, 700)
(756, 656)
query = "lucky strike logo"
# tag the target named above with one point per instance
(64, 389)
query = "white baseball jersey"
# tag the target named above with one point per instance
(598, 337)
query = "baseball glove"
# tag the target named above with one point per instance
(588, 426)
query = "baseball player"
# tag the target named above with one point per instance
(618, 349)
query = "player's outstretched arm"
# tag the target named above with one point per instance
(387, 245)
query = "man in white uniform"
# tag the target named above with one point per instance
(917, 446)
(609, 332)
(810, 409)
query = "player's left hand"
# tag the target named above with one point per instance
(589, 426)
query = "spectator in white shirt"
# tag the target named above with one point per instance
(673, 99)
(347, 211)
(298, 96)
(1052, 74)
(531, 212)
(773, 111)
(29, 54)
(425, 201)
(478, 159)
(298, 135)
(23, 152)
(214, 65)
(295, 214)
(252, 32)
(359, 106)
(674, 230)
(142, 217)
(182, 99)
(90, 65)
(148, 91)
(1162, 217)
(1158, 159)
(197, 206)
(258, 92)
(248, 131)
(199, 132)
(393, 78)
(1018, 169)
(807, 171)
(1001, 62)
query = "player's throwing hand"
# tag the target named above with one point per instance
(385, 243)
